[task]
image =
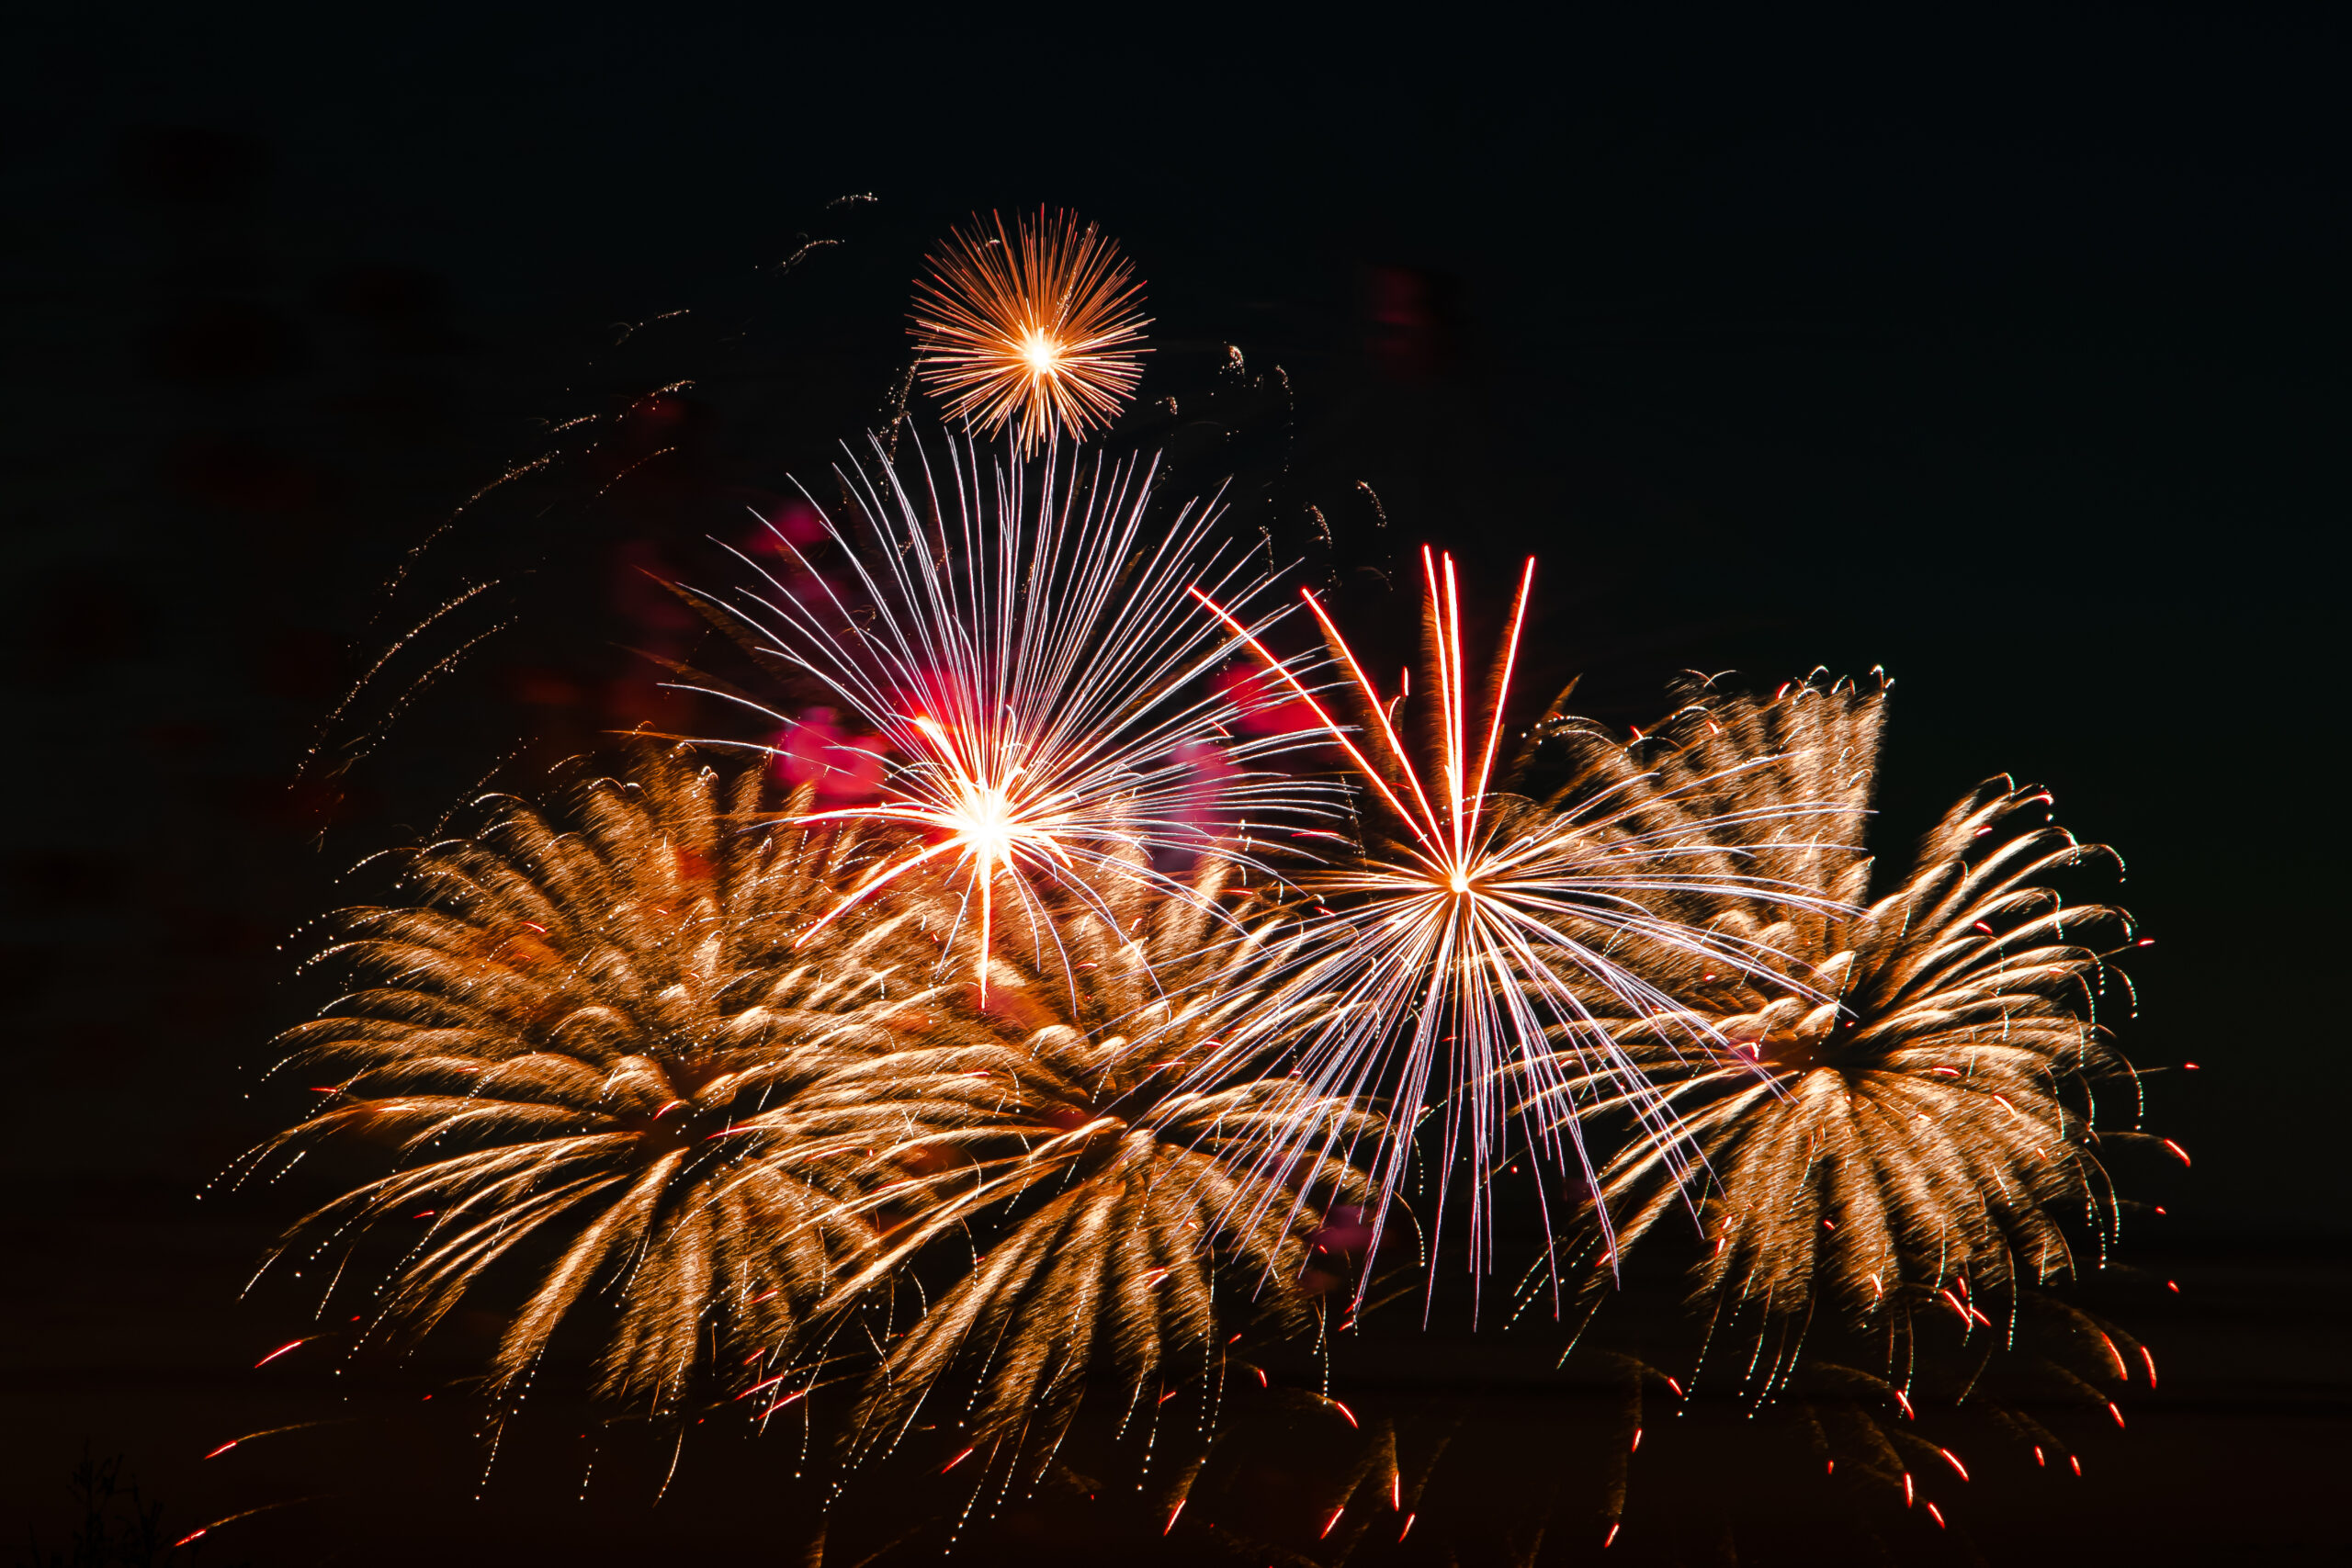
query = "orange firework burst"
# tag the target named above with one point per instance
(1040, 328)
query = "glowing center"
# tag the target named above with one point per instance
(985, 821)
(1041, 353)
(1459, 882)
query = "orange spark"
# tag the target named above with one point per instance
(1039, 328)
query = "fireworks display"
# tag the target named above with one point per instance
(1900, 1134)
(620, 1037)
(598, 1034)
(1122, 1195)
(1486, 929)
(1029, 657)
(1039, 329)
(1111, 977)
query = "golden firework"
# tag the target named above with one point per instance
(1039, 329)
(607, 1035)
(1899, 1133)
(622, 1039)
(1128, 1211)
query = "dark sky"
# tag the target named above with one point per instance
(2007, 352)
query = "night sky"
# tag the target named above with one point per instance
(2007, 354)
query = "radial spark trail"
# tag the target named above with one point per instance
(1019, 640)
(1039, 329)
(1465, 951)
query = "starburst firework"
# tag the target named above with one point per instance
(604, 1038)
(1038, 329)
(1484, 927)
(1900, 1136)
(1023, 644)
(1023, 1052)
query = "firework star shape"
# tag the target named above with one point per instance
(1038, 329)
(1022, 641)
(1463, 950)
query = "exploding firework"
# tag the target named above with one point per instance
(1898, 1133)
(1484, 926)
(1022, 646)
(1039, 329)
(1128, 1211)
(1050, 1038)
(601, 1038)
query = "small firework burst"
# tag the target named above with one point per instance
(1039, 329)
(604, 1035)
(1899, 1134)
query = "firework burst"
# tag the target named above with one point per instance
(1900, 1134)
(1020, 642)
(1129, 1209)
(1482, 926)
(601, 1038)
(1040, 330)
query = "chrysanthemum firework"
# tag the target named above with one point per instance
(1039, 329)
(1902, 1131)
(1020, 642)
(593, 1042)
(1129, 1209)
(1468, 945)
